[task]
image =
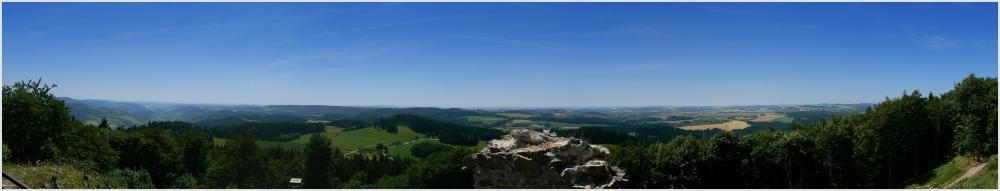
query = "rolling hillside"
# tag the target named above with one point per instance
(346, 140)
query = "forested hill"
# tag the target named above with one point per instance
(129, 114)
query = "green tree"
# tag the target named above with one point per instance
(196, 147)
(975, 102)
(85, 145)
(440, 170)
(426, 148)
(32, 118)
(157, 152)
(186, 181)
(104, 124)
(318, 169)
(238, 164)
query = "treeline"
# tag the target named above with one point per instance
(623, 134)
(888, 146)
(440, 167)
(807, 117)
(271, 131)
(575, 119)
(446, 132)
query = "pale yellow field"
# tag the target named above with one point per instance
(767, 117)
(728, 126)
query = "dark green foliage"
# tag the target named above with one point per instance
(761, 126)
(373, 167)
(239, 165)
(389, 125)
(233, 117)
(347, 124)
(441, 170)
(278, 131)
(104, 124)
(6, 152)
(186, 181)
(424, 149)
(176, 129)
(85, 145)
(459, 138)
(319, 161)
(661, 132)
(196, 148)
(975, 104)
(123, 179)
(32, 118)
(888, 146)
(280, 165)
(155, 151)
(807, 117)
(450, 115)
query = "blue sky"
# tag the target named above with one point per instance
(498, 54)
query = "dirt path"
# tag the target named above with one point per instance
(968, 173)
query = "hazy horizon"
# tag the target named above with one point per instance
(482, 55)
(464, 107)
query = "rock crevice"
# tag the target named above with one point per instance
(532, 159)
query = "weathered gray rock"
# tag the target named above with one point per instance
(532, 159)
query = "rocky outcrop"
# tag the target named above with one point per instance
(532, 159)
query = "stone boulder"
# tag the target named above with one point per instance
(532, 159)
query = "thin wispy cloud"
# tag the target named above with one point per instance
(390, 25)
(515, 42)
(939, 42)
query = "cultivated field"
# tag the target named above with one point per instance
(728, 126)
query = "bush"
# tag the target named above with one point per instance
(123, 179)
(424, 149)
(6, 152)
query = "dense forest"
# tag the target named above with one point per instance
(889, 145)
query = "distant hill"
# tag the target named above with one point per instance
(137, 113)
(129, 114)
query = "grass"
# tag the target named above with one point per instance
(480, 145)
(987, 178)
(940, 176)
(350, 140)
(37, 175)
